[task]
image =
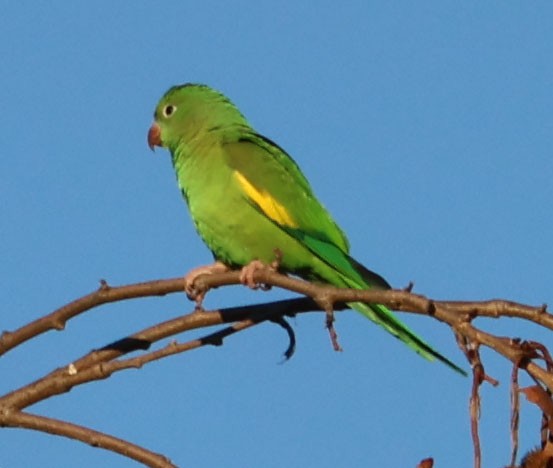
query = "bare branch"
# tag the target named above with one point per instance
(84, 434)
(530, 357)
(92, 366)
(57, 319)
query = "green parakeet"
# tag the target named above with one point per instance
(249, 199)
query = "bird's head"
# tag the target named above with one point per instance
(187, 111)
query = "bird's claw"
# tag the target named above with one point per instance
(192, 291)
(248, 272)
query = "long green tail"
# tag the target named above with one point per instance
(384, 317)
(341, 270)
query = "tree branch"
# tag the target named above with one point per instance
(102, 363)
(105, 294)
(84, 434)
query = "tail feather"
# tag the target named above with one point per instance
(369, 277)
(384, 317)
(341, 270)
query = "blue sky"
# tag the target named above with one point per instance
(425, 128)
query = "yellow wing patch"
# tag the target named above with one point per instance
(270, 207)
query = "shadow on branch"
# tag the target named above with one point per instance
(528, 357)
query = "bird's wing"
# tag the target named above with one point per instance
(272, 181)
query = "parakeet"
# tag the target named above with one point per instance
(249, 201)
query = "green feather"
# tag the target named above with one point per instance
(356, 276)
(247, 198)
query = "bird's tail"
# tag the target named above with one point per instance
(339, 269)
(384, 317)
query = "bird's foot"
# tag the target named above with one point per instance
(248, 271)
(190, 278)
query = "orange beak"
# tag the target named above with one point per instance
(154, 136)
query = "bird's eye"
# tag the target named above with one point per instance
(169, 110)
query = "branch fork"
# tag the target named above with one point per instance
(527, 356)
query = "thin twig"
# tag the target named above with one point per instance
(515, 413)
(103, 362)
(92, 366)
(84, 434)
(105, 294)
